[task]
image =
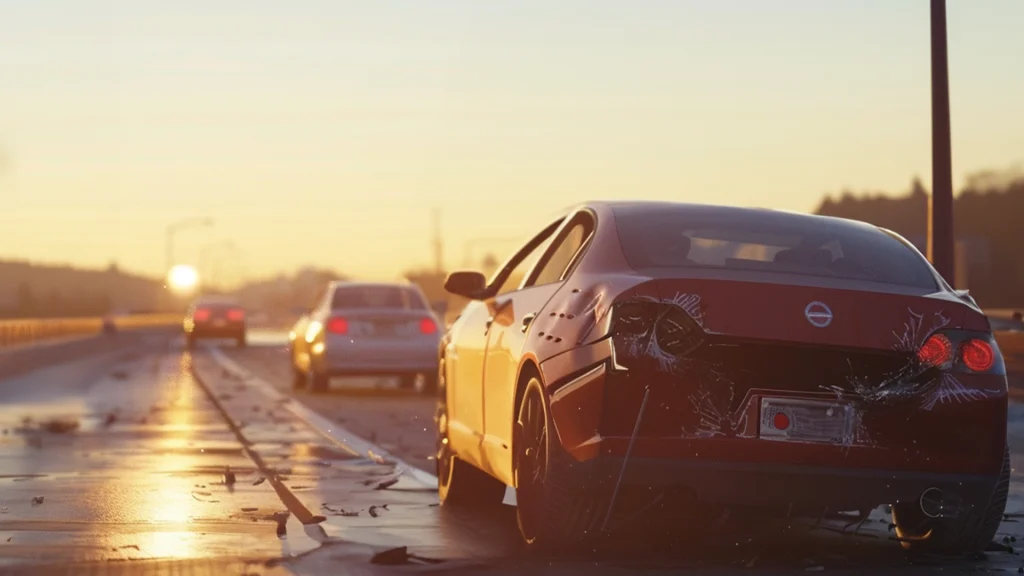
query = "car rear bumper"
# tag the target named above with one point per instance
(226, 331)
(795, 489)
(382, 357)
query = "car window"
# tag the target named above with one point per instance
(561, 257)
(396, 297)
(518, 274)
(676, 236)
(515, 279)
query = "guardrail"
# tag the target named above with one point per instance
(24, 332)
(1011, 344)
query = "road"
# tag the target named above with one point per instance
(146, 457)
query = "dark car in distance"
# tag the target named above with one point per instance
(215, 317)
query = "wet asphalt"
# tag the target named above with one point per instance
(149, 453)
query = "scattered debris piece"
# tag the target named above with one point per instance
(249, 509)
(135, 546)
(282, 523)
(11, 538)
(373, 511)
(60, 426)
(300, 487)
(386, 484)
(400, 555)
(37, 500)
(259, 481)
(229, 476)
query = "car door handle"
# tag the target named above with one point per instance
(527, 320)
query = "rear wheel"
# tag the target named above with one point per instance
(556, 507)
(459, 483)
(970, 531)
(298, 378)
(318, 382)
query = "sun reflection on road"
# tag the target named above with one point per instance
(176, 499)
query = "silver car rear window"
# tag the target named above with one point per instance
(392, 297)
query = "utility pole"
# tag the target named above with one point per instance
(941, 241)
(438, 242)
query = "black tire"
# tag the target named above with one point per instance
(970, 532)
(460, 484)
(298, 379)
(557, 507)
(429, 385)
(318, 383)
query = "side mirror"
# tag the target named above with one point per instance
(466, 283)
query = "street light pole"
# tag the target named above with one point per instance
(941, 241)
(173, 229)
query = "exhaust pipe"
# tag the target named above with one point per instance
(932, 502)
(936, 503)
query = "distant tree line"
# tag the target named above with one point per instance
(56, 304)
(988, 218)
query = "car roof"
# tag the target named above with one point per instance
(732, 212)
(216, 299)
(359, 284)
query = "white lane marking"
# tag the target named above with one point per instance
(323, 425)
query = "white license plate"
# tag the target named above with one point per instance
(815, 421)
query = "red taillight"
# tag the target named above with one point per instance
(337, 326)
(428, 326)
(236, 314)
(977, 355)
(201, 314)
(936, 351)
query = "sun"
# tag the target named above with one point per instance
(182, 278)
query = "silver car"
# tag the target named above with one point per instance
(366, 329)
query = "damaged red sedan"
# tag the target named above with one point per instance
(689, 358)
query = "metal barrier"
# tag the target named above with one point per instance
(1011, 344)
(25, 332)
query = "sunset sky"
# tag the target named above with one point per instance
(323, 131)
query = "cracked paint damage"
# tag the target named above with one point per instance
(657, 337)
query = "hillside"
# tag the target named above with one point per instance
(36, 290)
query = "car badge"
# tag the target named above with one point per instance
(818, 314)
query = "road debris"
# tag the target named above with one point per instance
(259, 481)
(398, 556)
(386, 484)
(373, 511)
(282, 523)
(249, 509)
(37, 500)
(60, 426)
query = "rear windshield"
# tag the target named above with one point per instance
(681, 237)
(396, 297)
